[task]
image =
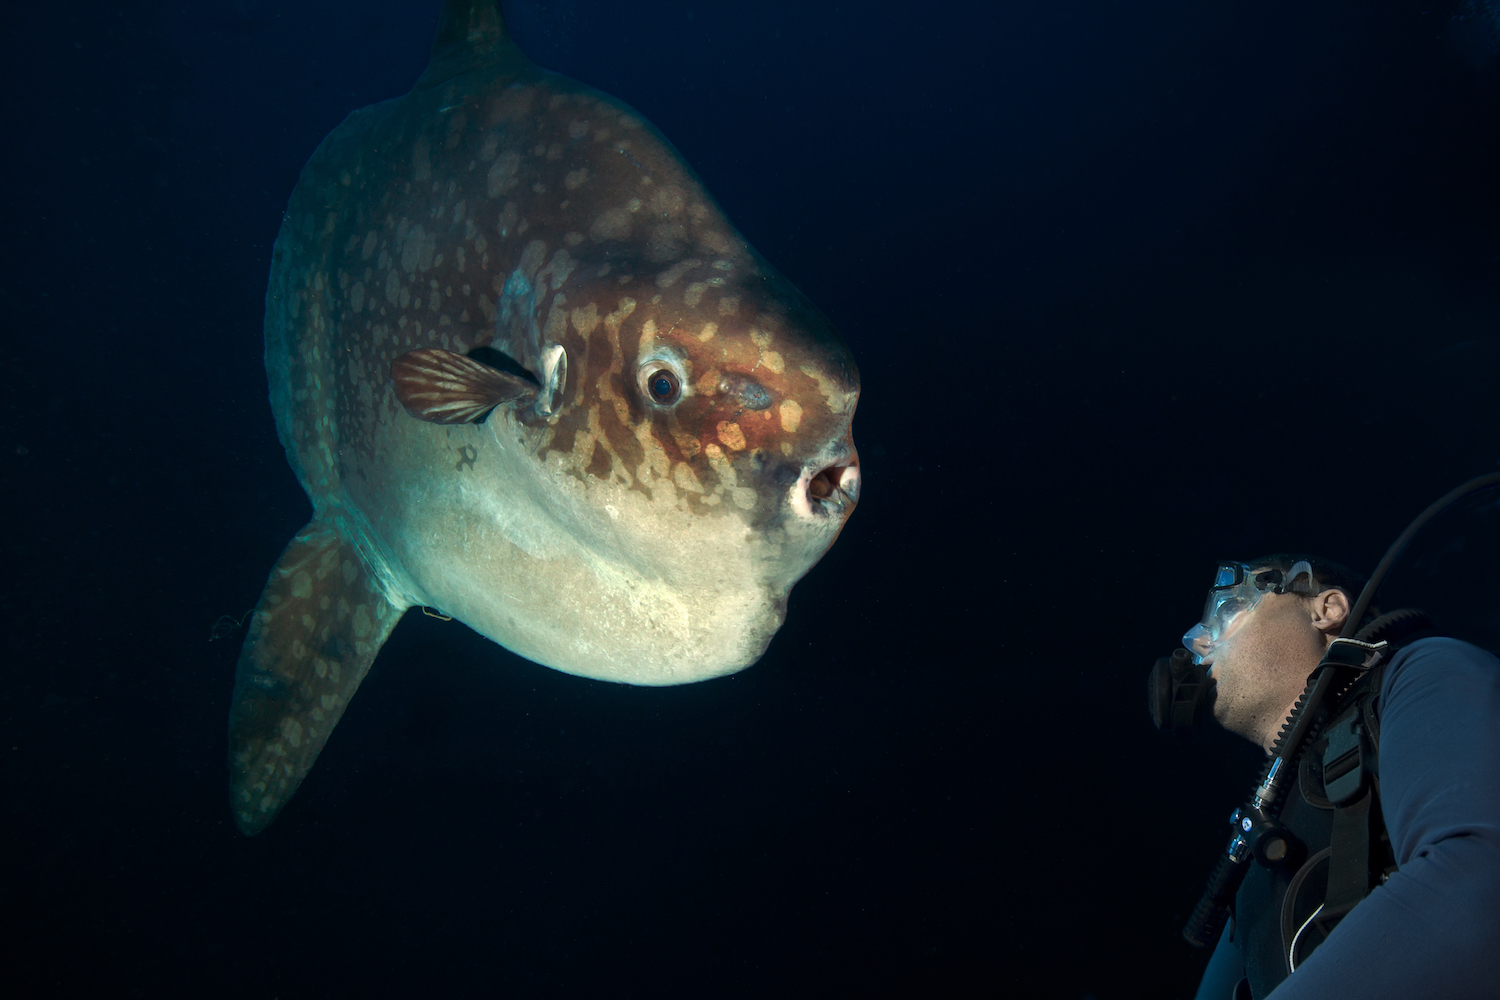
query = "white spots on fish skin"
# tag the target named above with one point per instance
(668, 201)
(575, 178)
(362, 622)
(791, 416)
(585, 320)
(572, 239)
(301, 585)
(760, 338)
(839, 401)
(528, 265)
(773, 361)
(459, 210)
(371, 242)
(686, 479)
(612, 511)
(507, 219)
(357, 296)
(708, 332)
(577, 130)
(744, 498)
(561, 267)
(417, 249)
(489, 147)
(461, 261)
(633, 205)
(673, 274)
(708, 383)
(613, 224)
(291, 731)
(730, 434)
(693, 294)
(503, 174)
(729, 305)
(655, 464)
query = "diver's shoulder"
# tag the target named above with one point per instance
(1439, 655)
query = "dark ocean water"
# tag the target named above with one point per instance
(1132, 287)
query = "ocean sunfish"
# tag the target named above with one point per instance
(531, 377)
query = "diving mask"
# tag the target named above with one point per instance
(1236, 592)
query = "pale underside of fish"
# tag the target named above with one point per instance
(530, 376)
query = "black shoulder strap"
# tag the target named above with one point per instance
(1351, 778)
(1348, 764)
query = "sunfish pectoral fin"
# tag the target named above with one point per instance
(446, 388)
(319, 624)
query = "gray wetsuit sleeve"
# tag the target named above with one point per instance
(1225, 970)
(1431, 930)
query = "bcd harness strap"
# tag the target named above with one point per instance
(1351, 784)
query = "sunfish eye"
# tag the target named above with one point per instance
(663, 386)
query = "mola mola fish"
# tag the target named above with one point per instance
(529, 376)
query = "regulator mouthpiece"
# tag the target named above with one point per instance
(1179, 692)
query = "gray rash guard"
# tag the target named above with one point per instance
(1434, 928)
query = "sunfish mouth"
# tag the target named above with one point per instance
(829, 491)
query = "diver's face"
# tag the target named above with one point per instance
(1261, 665)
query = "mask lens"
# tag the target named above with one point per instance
(1232, 595)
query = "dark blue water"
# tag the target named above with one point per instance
(1133, 287)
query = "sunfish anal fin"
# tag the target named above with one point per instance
(319, 624)
(446, 388)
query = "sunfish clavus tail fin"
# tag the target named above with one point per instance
(320, 622)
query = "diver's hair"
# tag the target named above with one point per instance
(1329, 574)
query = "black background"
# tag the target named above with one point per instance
(1133, 287)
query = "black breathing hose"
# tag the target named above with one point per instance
(1367, 596)
(1208, 917)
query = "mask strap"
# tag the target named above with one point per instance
(1298, 568)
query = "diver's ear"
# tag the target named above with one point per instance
(1329, 611)
(553, 377)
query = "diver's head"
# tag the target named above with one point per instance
(1265, 627)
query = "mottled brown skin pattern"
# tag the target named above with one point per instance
(585, 525)
(390, 267)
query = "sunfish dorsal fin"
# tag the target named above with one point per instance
(471, 33)
(319, 624)
(446, 388)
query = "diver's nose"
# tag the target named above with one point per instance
(1199, 641)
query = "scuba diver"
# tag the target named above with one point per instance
(1367, 860)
